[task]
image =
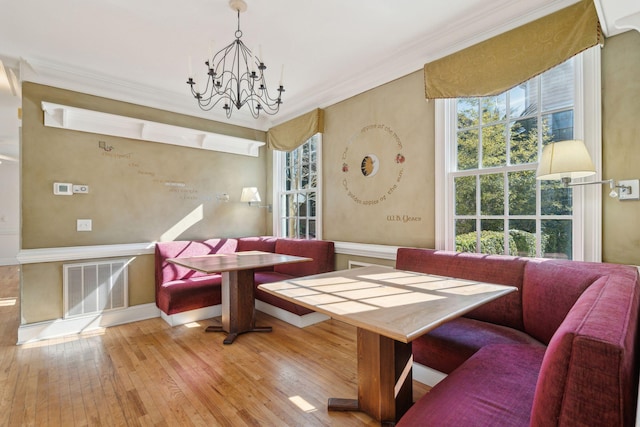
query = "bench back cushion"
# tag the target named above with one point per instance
(322, 252)
(167, 272)
(551, 287)
(502, 270)
(263, 244)
(589, 371)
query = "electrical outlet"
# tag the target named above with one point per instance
(629, 189)
(83, 225)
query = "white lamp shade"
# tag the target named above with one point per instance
(250, 194)
(565, 159)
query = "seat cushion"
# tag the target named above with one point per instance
(495, 387)
(450, 345)
(183, 295)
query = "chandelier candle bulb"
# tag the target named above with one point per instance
(281, 75)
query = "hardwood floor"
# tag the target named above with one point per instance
(147, 373)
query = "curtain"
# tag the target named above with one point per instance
(502, 62)
(292, 134)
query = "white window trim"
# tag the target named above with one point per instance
(278, 184)
(587, 224)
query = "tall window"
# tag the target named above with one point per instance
(297, 176)
(496, 205)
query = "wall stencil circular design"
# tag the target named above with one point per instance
(372, 164)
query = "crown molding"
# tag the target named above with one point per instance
(474, 28)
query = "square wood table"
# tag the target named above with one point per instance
(390, 308)
(238, 293)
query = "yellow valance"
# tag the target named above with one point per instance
(502, 62)
(292, 134)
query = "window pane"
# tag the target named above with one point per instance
(291, 205)
(492, 194)
(522, 193)
(522, 232)
(523, 99)
(557, 87)
(524, 141)
(557, 238)
(492, 236)
(301, 200)
(312, 205)
(302, 228)
(312, 229)
(494, 108)
(558, 126)
(467, 112)
(465, 190)
(494, 146)
(555, 199)
(466, 235)
(468, 144)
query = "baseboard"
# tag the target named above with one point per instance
(192, 315)
(8, 261)
(65, 327)
(293, 319)
(427, 375)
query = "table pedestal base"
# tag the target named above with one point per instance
(232, 336)
(385, 382)
(238, 306)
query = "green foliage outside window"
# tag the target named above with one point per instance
(505, 131)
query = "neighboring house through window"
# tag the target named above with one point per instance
(488, 149)
(297, 208)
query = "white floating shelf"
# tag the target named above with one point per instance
(66, 117)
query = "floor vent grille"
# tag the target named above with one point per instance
(94, 287)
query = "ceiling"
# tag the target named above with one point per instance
(137, 51)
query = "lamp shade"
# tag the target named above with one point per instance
(565, 159)
(250, 194)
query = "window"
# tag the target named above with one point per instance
(297, 179)
(489, 149)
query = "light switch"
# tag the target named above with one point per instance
(82, 189)
(83, 225)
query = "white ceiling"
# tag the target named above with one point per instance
(137, 50)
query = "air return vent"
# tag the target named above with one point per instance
(94, 287)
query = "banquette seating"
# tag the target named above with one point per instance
(180, 290)
(562, 351)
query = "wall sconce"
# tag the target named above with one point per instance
(567, 160)
(251, 195)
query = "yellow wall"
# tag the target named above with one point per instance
(621, 144)
(129, 200)
(394, 204)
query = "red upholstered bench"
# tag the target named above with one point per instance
(180, 290)
(561, 352)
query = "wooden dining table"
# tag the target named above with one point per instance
(390, 308)
(238, 292)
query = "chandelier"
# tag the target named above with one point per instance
(235, 77)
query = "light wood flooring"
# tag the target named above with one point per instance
(149, 374)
